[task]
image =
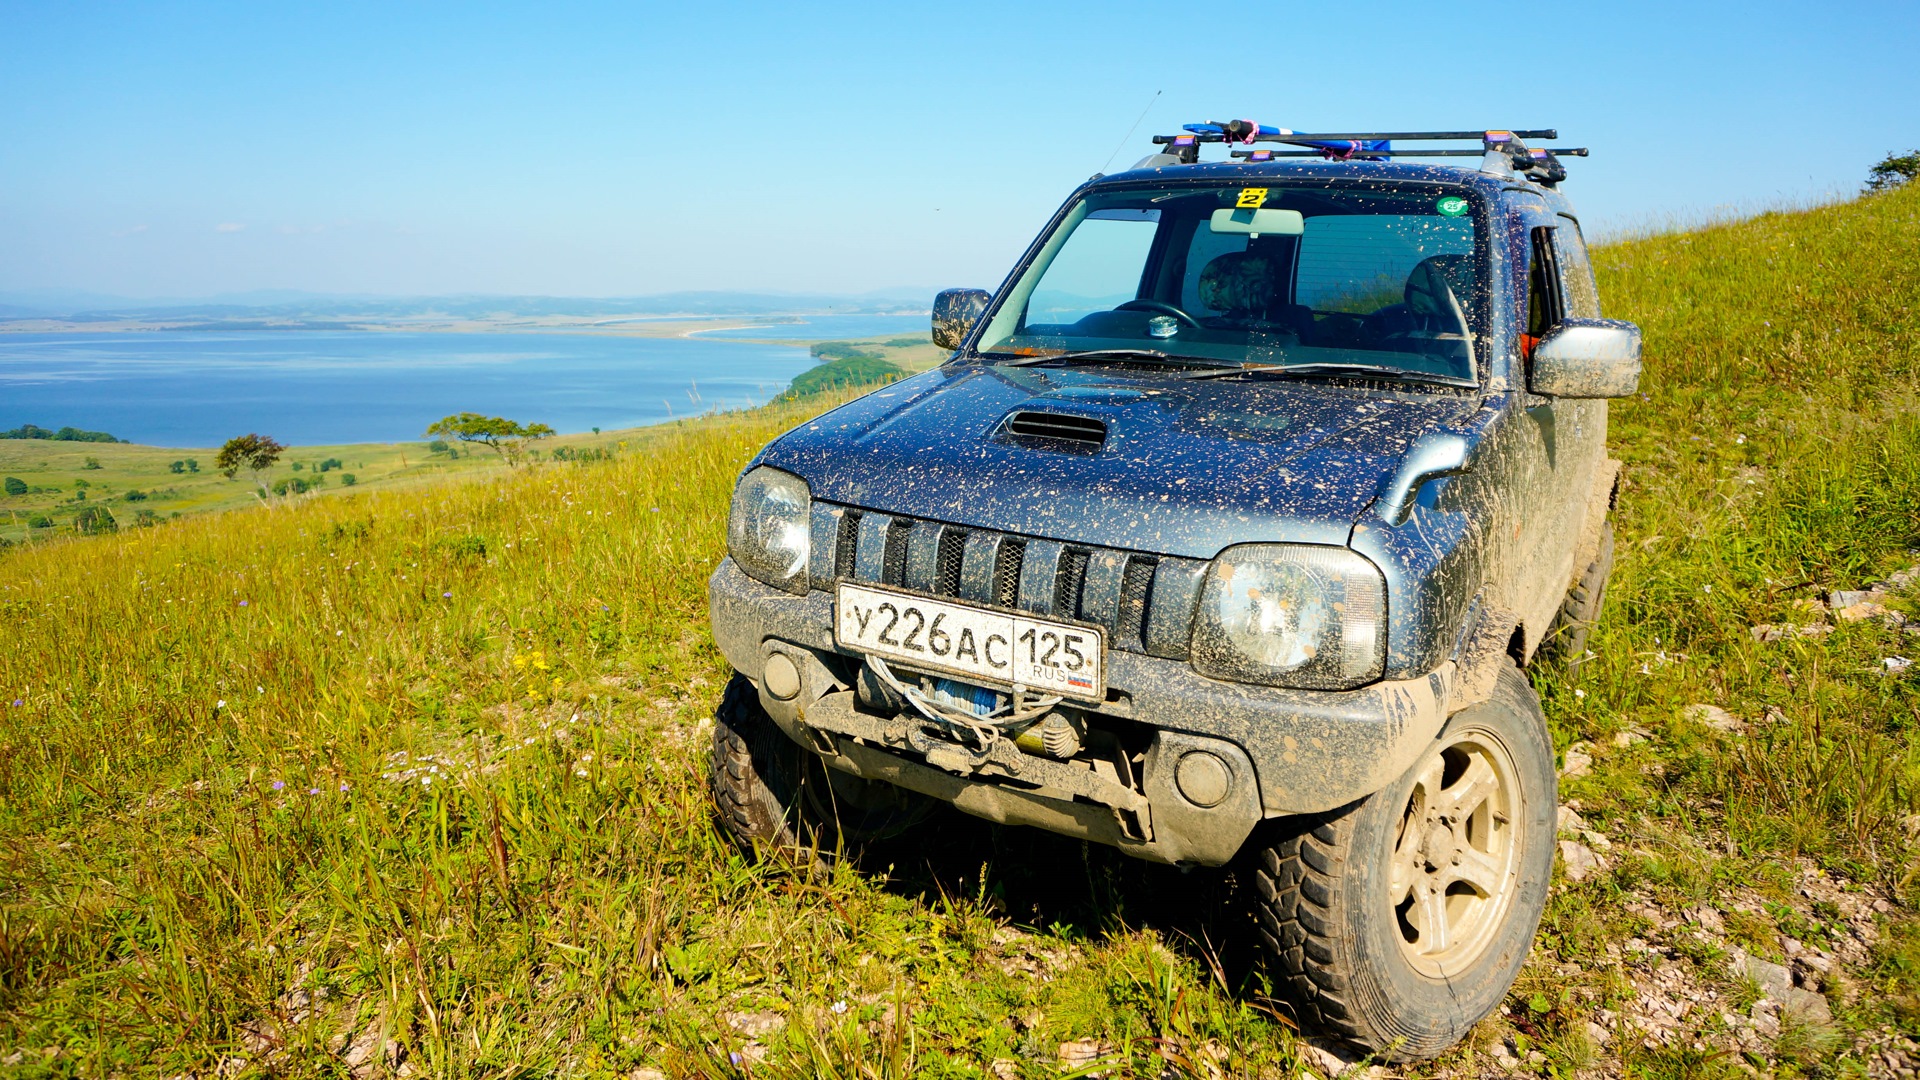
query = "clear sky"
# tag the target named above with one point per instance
(186, 149)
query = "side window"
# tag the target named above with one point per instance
(1545, 304)
(1576, 271)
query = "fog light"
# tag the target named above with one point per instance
(781, 678)
(1203, 779)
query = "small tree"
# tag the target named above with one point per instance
(1895, 170)
(193, 465)
(177, 467)
(254, 453)
(16, 486)
(508, 438)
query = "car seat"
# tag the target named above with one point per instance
(1241, 286)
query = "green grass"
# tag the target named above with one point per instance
(65, 478)
(423, 761)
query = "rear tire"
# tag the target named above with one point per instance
(1400, 921)
(770, 792)
(1567, 637)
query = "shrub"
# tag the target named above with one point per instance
(298, 466)
(347, 479)
(135, 495)
(94, 520)
(327, 465)
(1894, 171)
(92, 462)
(439, 446)
(65, 434)
(16, 486)
(177, 467)
(39, 521)
(193, 465)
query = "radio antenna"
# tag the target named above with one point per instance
(1130, 131)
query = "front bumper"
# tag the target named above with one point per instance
(1284, 751)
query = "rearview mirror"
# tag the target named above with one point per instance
(1587, 358)
(954, 313)
(1257, 221)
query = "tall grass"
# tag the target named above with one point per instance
(425, 766)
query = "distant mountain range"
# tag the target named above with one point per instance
(286, 305)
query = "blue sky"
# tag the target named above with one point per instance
(578, 149)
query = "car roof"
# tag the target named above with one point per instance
(1230, 172)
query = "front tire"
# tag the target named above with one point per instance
(771, 793)
(1567, 637)
(1400, 921)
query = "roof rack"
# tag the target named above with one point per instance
(1501, 151)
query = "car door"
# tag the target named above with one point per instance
(1557, 440)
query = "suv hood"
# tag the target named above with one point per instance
(1188, 466)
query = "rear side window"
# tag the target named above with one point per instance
(1576, 271)
(1545, 302)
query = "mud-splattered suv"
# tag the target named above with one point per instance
(1225, 533)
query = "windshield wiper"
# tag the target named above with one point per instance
(1367, 371)
(1152, 356)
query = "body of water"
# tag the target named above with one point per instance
(192, 389)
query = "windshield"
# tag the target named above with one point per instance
(1332, 277)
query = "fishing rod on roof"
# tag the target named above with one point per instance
(1498, 147)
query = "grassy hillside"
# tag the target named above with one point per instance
(421, 768)
(139, 485)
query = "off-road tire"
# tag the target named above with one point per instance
(772, 794)
(1567, 637)
(1333, 935)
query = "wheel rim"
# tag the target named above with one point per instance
(1455, 857)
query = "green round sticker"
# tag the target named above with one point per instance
(1451, 206)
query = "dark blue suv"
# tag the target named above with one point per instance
(1226, 533)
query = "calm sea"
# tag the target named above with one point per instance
(311, 387)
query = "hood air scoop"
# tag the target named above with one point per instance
(1078, 432)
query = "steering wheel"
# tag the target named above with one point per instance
(1161, 307)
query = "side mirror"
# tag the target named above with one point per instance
(954, 313)
(1587, 358)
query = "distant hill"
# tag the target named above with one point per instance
(284, 307)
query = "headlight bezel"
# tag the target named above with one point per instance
(770, 528)
(1299, 616)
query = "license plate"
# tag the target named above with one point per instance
(989, 647)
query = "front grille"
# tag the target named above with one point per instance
(1135, 589)
(846, 545)
(1071, 579)
(894, 565)
(953, 554)
(1006, 572)
(1145, 602)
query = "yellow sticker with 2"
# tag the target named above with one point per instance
(1251, 198)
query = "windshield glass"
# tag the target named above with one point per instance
(1289, 275)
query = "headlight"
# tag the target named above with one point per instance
(768, 529)
(1289, 615)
